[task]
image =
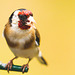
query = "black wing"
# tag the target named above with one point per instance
(37, 37)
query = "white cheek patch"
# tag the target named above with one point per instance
(15, 18)
(16, 12)
(14, 22)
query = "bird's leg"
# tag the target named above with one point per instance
(10, 63)
(25, 65)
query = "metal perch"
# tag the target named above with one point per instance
(14, 67)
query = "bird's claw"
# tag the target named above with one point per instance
(9, 65)
(23, 67)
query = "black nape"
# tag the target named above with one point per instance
(10, 18)
(21, 9)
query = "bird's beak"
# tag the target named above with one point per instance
(31, 19)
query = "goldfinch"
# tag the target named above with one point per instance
(22, 37)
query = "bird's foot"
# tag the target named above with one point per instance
(9, 65)
(24, 66)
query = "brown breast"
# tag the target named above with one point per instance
(8, 32)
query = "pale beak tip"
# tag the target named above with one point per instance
(31, 19)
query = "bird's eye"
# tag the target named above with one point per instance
(22, 17)
(31, 14)
(25, 16)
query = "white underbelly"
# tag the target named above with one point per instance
(27, 53)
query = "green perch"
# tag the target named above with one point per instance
(14, 68)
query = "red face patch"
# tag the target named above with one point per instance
(23, 19)
(25, 12)
(22, 25)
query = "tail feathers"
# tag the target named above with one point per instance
(42, 60)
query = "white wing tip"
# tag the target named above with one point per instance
(40, 54)
(3, 34)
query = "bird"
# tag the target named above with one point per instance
(23, 38)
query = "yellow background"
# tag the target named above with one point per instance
(56, 24)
